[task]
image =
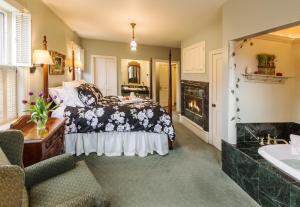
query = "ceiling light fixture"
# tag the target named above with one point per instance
(133, 44)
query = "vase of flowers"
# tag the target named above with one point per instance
(39, 109)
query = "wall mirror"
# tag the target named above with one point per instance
(134, 70)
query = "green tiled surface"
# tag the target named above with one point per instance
(263, 182)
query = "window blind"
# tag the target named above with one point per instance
(8, 96)
(23, 39)
(2, 36)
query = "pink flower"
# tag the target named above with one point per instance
(30, 93)
(32, 103)
(24, 102)
(41, 94)
(54, 97)
(48, 99)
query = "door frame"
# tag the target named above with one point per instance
(210, 75)
(178, 77)
(93, 57)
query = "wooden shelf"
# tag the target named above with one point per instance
(260, 78)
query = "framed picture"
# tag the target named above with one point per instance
(59, 63)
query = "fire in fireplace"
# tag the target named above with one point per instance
(194, 105)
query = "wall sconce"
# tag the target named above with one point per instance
(77, 64)
(40, 58)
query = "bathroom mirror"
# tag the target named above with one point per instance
(134, 69)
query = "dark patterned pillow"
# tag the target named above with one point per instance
(89, 94)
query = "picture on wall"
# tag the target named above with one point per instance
(58, 68)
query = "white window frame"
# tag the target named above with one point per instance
(9, 61)
(3, 58)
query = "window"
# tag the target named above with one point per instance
(15, 57)
(2, 36)
(8, 93)
(23, 39)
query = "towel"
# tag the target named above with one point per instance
(295, 142)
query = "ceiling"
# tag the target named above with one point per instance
(292, 33)
(159, 22)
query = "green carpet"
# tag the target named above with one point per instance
(189, 176)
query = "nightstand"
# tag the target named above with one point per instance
(41, 146)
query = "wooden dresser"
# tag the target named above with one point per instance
(39, 146)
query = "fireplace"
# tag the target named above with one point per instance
(194, 101)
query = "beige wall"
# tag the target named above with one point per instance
(296, 91)
(212, 35)
(266, 102)
(122, 51)
(242, 18)
(59, 35)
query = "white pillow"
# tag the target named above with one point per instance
(68, 95)
(73, 84)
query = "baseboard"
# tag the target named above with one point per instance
(194, 128)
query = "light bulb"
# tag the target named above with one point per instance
(133, 45)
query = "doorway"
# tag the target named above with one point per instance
(161, 83)
(215, 74)
(104, 74)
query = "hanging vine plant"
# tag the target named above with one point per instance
(234, 91)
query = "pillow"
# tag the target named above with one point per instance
(89, 94)
(68, 95)
(73, 84)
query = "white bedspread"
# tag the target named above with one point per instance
(117, 143)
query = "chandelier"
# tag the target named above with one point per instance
(133, 44)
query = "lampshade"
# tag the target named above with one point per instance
(68, 63)
(42, 57)
(78, 64)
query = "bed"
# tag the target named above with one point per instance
(112, 126)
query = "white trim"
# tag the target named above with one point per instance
(200, 69)
(93, 66)
(198, 130)
(210, 70)
(178, 78)
(270, 37)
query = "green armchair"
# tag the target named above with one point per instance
(59, 181)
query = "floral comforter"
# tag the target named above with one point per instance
(112, 115)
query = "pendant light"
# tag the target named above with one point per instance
(133, 44)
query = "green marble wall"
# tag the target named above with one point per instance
(268, 186)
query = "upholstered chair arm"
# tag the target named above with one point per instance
(12, 185)
(85, 200)
(12, 143)
(48, 168)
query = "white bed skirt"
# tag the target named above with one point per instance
(117, 143)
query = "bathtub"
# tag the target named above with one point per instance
(282, 157)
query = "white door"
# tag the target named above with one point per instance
(111, 77)
(163, 84)
(105, 75)
(216, 61)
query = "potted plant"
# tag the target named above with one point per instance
(39, 109)
(266, 64)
